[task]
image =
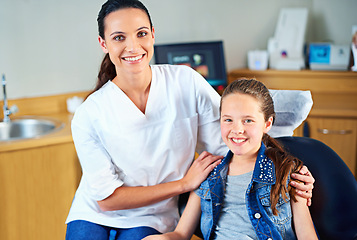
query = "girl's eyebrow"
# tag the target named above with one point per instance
(119, 32)
(244, 116)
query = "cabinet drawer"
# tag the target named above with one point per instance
(339, 134)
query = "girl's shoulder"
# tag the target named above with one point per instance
(203, 191)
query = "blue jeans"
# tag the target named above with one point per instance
(83, 230)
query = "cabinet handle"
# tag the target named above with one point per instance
(340, 132)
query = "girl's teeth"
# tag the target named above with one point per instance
(238, 140)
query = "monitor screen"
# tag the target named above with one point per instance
(207, 58)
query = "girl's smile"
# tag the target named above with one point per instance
(238, 140)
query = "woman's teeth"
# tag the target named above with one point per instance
(132, 59)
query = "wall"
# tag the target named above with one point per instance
(50, 47)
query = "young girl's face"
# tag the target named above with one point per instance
(243, 124)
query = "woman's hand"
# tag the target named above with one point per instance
(155, 237)
(199, 170)
(306, 184)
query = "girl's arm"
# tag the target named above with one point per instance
(187, 224)
(133, 197)
(304, 227)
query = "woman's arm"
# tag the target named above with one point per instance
(303, 188)
(133, 197)
(304, 227)
(187, 224)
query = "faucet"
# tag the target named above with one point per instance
(6, 110)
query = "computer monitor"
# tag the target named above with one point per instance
(207, 58)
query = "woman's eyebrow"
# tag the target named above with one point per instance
(114, 33)
(140, 28)
(119, 32)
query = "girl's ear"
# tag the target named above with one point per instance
(268, 124)
(102, 44)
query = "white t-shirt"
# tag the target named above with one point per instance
(118, 145)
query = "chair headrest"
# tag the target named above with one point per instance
(291, 107)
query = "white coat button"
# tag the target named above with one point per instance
(257, 215)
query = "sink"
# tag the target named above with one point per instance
(28, 127)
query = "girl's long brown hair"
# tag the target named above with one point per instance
(285, 164)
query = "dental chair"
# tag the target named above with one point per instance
(334, 201)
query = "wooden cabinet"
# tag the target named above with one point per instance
(333, 118)
(38, 177)
(338, 133)
(37, 186)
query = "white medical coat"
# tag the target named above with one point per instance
(118, 145)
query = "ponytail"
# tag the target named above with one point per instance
(107, 72)
(285, 164)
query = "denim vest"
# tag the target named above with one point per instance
(265, 224)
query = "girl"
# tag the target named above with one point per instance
(248, 195)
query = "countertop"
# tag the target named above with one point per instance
(62, 135)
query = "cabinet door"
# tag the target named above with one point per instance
(37, 186)
(339, 134)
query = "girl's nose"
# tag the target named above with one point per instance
(238, 128)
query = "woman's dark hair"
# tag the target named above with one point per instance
(107, 68)
(284, 163)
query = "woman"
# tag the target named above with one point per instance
(136, 135)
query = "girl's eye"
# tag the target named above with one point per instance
(142, 34)
(228, 120)
(248, 121)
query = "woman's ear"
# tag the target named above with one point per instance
(153, 33)
(102, 44)
(268, 124)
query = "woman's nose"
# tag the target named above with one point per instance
(132, 45)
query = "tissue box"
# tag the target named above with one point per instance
(73, 103)
(258, 60)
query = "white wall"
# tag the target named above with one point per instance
(50, 47)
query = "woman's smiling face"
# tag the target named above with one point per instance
(129, 39)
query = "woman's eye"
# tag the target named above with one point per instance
(119, 38)
(142, 34)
